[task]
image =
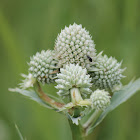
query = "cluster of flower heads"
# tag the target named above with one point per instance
(74, 64)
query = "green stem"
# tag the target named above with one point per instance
(77, 133)
(75, 96)
(46, 98)
(93, 118)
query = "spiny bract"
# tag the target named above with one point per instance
(100, 99)
(74, 45)
(108, 73)
(43, 66)
(73, 76)
(28, 81)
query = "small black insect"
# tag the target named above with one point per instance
(90, 59)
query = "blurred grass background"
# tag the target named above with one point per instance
(28, 26)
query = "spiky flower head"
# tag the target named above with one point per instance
(43, 66)
(108, 73)
(100, 99)
(74, 45)
(73, 76)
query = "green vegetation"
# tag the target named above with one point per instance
(30, 26)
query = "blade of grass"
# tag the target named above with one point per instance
(19, 133)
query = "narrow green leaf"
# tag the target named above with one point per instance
(118, 98)
(19, 133)
(31, 94)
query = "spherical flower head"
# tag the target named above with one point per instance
(100, 99)
(74, 45)
(108, 73)
(73, 76)
(43, 66)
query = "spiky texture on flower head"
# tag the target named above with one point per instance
(74, 45)
(100, 99)
(42, 66)
(109, 73)
(73, 76)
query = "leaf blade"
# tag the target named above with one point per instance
(19, 133)
(31, 94)
(117, 99)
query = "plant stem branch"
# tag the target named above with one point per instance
(91, 120)
(75, 96)
(46, 98)
(77, 133)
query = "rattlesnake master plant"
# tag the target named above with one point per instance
(75, 70)
(74, 45)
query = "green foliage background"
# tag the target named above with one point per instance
(28, 26)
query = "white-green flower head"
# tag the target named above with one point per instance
(74, 45)
(108, 73)
(100, 99)
(73, 76)
(43, 66)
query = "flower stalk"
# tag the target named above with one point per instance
(77, 131)
(46, 98)
(91, 121)
(75, 96)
